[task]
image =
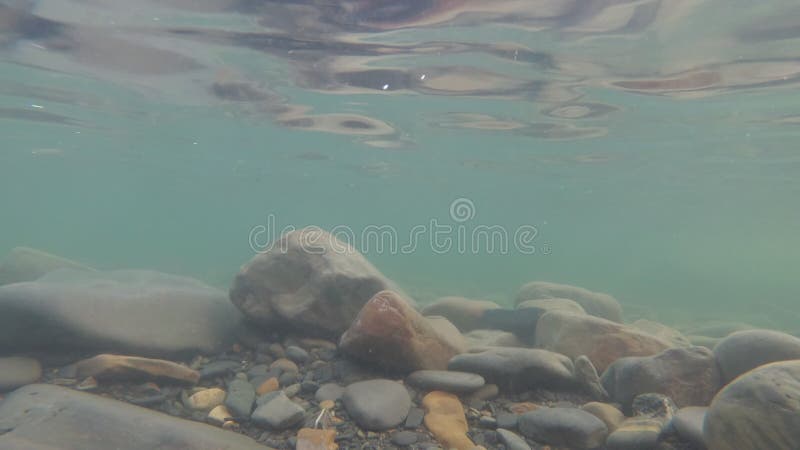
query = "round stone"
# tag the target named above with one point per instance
(445, 380)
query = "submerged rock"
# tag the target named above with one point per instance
(745, 350)
(518, 369)
(41, 416)
(568, 427)
(119, 367)
(310, 281)
(464, 313)
(444, 417)
(445, 380)
(601, 340)
(390, 333)
(553, 304)
(521, 322)
(664, 332)
(377, 405)
(687, 375)
(759, 410)
(492, 338)
(594, 303)
(18, 371)
(278, 413)
(688, 424)
(135, 312)
(28, 264)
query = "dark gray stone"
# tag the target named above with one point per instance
(240, 398)
(445, 380)
(518, 369)
(134, 312)
(521, 322)
(404, 438)
(278, 413)
(41, 416)
(218, 368)
(570, 427)
(507, 420)
(512, 441)
(18, 371)
(297, 354)
(414, 418)
(377, 405)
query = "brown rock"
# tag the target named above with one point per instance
(522, 408)
(120, 367)
(206, 399)
(307, 280)
(392, 334)
(462, 312)
(687, 375)
(444, 417)
(314, 439)
(601, 340)
(269, 385)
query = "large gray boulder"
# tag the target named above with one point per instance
(136, 312)
(745, 350)
(308, 281)
(40, 416)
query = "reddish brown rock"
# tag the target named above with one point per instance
(390, 333)
(119, 367)
(601, 340)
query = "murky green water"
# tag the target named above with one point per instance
(652, 145)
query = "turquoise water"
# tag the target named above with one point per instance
(653, 149)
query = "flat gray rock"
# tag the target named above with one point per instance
(134, 312)
(517, 369)
(41, 416)
(569, 427)
(377, 405)
(445, 380)
(278, 413)
(18, 371)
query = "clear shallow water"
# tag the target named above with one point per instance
(653, 149)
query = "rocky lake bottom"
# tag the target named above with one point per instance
(318, 350)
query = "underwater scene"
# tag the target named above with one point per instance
(420, 224)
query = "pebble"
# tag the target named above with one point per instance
(444, 417)
(297, 354)
(315, 439)
(568, 427)
(404, 438)
(219, 415)
(240, 398)
(267, 386)
(329, 391)
(511, 440)
(284, 365)
(205, 399)
(218, 368)
(278, 413)
(414, 418)
(444, 380)
(292, 390)
(377, 405)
